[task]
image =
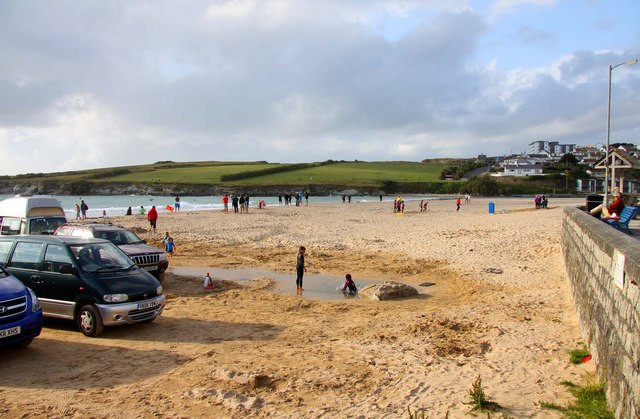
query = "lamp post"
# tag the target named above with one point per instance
(606, 161)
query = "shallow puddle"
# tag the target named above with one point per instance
(316, 286)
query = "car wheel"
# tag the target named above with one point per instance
(90, 321)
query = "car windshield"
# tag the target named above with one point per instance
(119, 237)
(45, 225)
(101, 257)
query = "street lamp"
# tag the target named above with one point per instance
(606, 161)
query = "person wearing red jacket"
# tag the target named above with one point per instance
(152, 216)
(607, 211)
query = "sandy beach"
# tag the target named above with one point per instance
(500, 309)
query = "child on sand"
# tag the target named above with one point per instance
(170, 247)
(300, 268)
(349, 286)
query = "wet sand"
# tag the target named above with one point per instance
(500, 309)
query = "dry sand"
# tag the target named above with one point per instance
(500, 309)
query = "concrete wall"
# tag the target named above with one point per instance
(595, 255)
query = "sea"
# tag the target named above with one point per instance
(116, 205)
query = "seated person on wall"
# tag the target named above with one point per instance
(615, 207)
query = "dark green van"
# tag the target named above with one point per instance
(90, 281)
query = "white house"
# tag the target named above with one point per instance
(520, 167)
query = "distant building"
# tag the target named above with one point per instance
(553, 148)
(588, 154)
(482, 159)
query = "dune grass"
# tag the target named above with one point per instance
(590, 400)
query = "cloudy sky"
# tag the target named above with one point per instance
(87, 84)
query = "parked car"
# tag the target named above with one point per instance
(30, 215)
(90, 281)
(20, 313)
(147, 257)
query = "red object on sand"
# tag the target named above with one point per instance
(586, 359)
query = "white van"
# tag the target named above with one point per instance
(30, 215)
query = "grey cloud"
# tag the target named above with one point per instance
(134, 82)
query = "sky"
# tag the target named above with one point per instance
(87, 84)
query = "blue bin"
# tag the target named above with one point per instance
(492, 208)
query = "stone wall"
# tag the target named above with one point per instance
(603, 269)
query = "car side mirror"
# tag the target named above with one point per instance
(68, 269)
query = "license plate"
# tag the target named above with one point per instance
(10, 332)
(150, 268)
(147, 304)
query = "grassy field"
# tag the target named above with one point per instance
(355, 174)
(352, 173)
(205, 174)
(363, 174)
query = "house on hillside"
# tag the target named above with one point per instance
(519, 167)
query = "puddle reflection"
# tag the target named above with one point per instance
(316, 286)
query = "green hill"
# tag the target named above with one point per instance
(263, 178)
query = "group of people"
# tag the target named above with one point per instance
(540, 201)
(81, 210)
(288, 198)
(239, 203)
(398, 205)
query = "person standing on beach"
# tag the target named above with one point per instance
(77, 211)
(234, 202)
(306, 197)
(177, 203)
(225, 202)
(241, 203)
(169, 247)
(152, 216)
(458, 203)
(84, 208)
(300, 268)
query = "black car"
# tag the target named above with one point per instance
(90, 281)
(147, 257)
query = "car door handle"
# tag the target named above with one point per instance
(36, 279)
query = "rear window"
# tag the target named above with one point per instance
(45, 225)
(119, 237)
(78, 232)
